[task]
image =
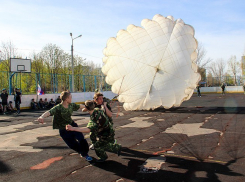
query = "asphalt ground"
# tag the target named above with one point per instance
(202, 140)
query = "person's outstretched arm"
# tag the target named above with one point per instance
(82, 107)
(44, 115)
(78, 129)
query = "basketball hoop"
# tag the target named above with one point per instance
(21, 68)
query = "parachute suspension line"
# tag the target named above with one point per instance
(101, 80)
(118, 110)
(135, 60)
(113, 103)
(121, 85)
(157, 68)
(184, 141)
(227, 143)
(167, 43)
(174, 25)
(177, 140)
(151, 83)
(140, 49)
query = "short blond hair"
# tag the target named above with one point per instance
(64, 95)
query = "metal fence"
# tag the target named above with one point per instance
(56, 83)
(51, 83)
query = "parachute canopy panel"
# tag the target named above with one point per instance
(153, 65)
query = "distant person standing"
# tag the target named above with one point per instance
(17, 99)
(198, 91)
(244, 88)
(4, 97)
(223, 88)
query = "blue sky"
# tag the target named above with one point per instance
(31, 24)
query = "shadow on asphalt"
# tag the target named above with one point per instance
(3, 121)
(203, 110)
(211, 169)
(4, 168)
(52, 147)
(128, 171)
(208, 171)
(133, 153)
(131, 171)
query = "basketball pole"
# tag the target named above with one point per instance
(18, 65)
(10, 82)
(20, 80)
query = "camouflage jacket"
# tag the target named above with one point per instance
(62, 116)
(108, 106)
(100, 124)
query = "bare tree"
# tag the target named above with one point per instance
(37, 63)
(234, 67)
(202, 61)
(51, 55)
(8, 51)
(217, 69)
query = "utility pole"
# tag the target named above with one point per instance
(72, 62)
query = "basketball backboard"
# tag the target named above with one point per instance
(20, 65)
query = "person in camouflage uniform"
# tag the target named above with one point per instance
(102, 103)
(61, 117)
(101, 127)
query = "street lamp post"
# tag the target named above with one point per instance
(72, 62)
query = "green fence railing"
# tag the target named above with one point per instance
(56, 83)
(51, 82)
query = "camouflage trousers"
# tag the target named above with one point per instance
(93, 137)
(101, 146)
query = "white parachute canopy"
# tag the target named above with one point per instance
(152, 66)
